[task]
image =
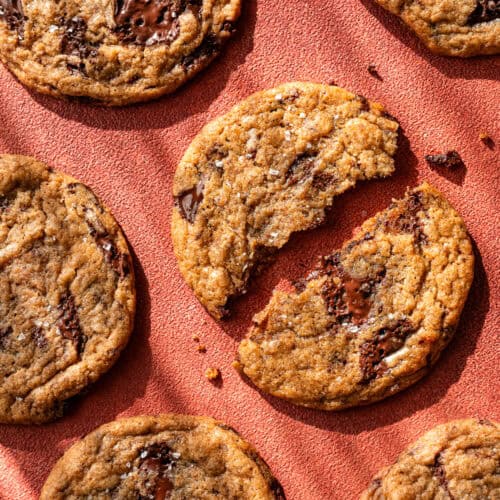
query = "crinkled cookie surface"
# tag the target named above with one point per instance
(67, 295)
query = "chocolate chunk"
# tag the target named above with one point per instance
(118, 261)
(408, 221)
(74, 42)
(322, 180)
(12, 12)
(4, 334)
(386, 341)
(209, 48)
(485, 11)
(440, 475)
(300, 168)
(451, 159)
(189, 201)
(157, 460)
(148, 22)
(38, 336)
(347, 299)
(69, 324)
(372, 69)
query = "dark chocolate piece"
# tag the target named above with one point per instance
(12, 12)
(189, 201)
(74, 42)
(485, 11)
(69, 323)
(349, 300)
(408, 221)
(157, 460)
(208, 49)
(119, 262)
(440, 475)
(451, 159)
(386, 341)
(148, 22)
(300, 168)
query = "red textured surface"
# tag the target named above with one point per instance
(129, 155)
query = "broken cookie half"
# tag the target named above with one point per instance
(372, 318)
(269, 168)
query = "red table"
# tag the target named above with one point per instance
(129, 156)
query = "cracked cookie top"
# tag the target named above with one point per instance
(453, 461)
(114, 52)
(67, 295)
(268, 168)
(460, 28)
(372, 318)
(164, 457)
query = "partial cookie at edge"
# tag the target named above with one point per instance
(66, 288)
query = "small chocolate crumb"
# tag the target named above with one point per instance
(372, 69)
(202, 348)
(487, 140)
(212, 374)
(450, 159)
(196, 338)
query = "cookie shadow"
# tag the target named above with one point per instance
(301, 253)
(425, 393)
(192, 98)
(479, 67)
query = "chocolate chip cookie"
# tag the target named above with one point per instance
(268, 168)
(457, 460)
(115, 52)
(460, 28)
(168, 456)
(67, 296)
(372, 318)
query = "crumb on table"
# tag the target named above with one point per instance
(212, 373)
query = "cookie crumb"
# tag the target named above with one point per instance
(237, 365)
(202, 348)
(196, 338)
(372, 69)
(212, 374)
(486, 139)
(450, 160)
